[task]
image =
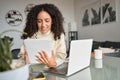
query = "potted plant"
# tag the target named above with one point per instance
(6, 60)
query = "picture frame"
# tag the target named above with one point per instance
(108, 11)
(98, 12)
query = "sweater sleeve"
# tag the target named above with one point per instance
(61, 50)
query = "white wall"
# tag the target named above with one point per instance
(65, 6)
(101, 32)
(71, 10)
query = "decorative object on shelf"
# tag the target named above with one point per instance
(28, 8)
(72, 32)
(72, 26)
(73, 35)
(14, 18)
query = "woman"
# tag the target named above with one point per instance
(45, 21)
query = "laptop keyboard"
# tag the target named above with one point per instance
(62, 69)
(113, 54)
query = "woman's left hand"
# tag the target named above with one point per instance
(45, 59)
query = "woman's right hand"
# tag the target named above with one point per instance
(45, 59)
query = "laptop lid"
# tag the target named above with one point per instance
(79, 58)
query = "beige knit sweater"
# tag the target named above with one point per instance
(58, 46)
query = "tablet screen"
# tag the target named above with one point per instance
(33, 46)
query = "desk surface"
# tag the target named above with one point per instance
(106, 69)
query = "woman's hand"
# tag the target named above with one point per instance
(26, 57)
(45, 59)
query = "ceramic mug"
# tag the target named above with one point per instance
(98, 54)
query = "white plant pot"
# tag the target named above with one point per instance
(21, 73)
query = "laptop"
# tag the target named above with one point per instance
(79, 58)
(81, 75)
(33, 46)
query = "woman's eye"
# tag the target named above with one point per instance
(39, 21)
(47, 20)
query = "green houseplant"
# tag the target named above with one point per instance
(6, 72)
(5, 50)
(5, 53)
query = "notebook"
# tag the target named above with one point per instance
(33, 46)
(79, 58)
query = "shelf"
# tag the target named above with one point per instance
(73, 35)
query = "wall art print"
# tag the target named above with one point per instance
(95, 13)
(108, 11)
(14, 18)
(99, 12)
(85, 16)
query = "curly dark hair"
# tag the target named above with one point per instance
(57, 20)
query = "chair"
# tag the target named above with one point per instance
(15, 53)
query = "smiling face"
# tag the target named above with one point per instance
(44, 22)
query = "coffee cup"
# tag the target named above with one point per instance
(98, 54)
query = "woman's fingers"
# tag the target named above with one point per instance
(39, 59)
(43, 57)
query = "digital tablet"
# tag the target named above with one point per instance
(33, 46)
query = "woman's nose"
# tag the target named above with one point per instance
(43, 23)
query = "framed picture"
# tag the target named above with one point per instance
(91, 14)
(14, 17)
(108, 11)
(95, 12)
(98, 12)
(85, 16)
